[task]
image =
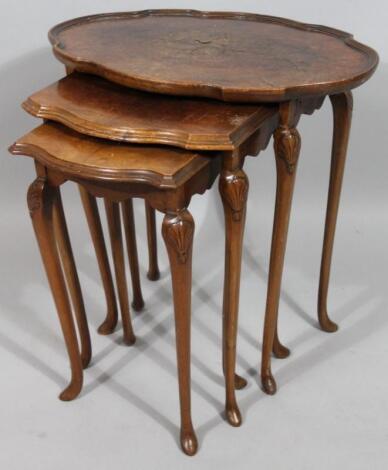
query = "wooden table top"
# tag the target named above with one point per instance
(97, 107)
(59, 147)
(227, 56)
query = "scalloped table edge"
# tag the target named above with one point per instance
(214, 91)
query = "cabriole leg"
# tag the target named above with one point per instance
(93, 218)
(279, 351)
(130, 236)
(233, 187)
(114, 224)
(178, 232)
(153, 269)
(41, 198)
(71, 275)
(342, 109)
(287, 148)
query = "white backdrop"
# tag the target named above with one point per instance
(332, 404)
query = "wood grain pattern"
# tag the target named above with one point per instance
(94, 106)
(74, 154)
(228, 56)
(177, 230)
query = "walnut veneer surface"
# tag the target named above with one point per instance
(94, 106)
(80, 155)
(224, 55)
(239, 57)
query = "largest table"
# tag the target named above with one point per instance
(237, 57)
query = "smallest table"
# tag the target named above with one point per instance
(167, 178)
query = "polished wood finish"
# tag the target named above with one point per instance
(178, 234)
(41, 198)
(87, 157)
(99, 108)
(287, 144)
(71, 275)
(130, 237)
(94, 106)
(80, 156)
(342, 109)
(180, 174)
(233, 187)
(217, 56)
(93, 218)
(223, 55)
(278, 350)
(153, 272)
(91, 210)
(114, 223)
(234, 57)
